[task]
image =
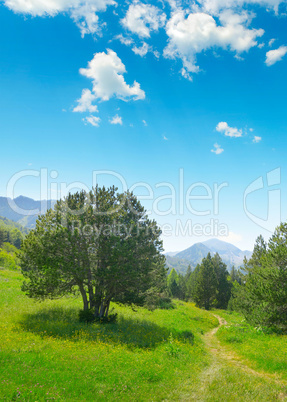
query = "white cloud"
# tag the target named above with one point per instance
(156, 54)
(85, 102)
(142, 18)
(275, 55)
(231, 238)
(199, 32)
(106, 71)
(224, 128)
(214, 6)
(217, 149)
(257, 139)
(144, 123)
(116, 120)
(93, 120)
(84, 13)
(270, 43)
(141, 51)
(125, 40)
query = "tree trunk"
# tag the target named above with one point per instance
(107, 308)
(102, 310)
(84, 296)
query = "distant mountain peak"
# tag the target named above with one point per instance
(193, 255)
(27, 204)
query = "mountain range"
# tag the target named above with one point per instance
(230, 254)
(192, 256)
(27, 219)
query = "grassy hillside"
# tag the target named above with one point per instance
(171, 355)
(46, 353)
(8, 224)
(11, 232)
(179, 264)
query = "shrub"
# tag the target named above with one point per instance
(86, 316)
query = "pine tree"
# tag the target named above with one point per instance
(262, 296)
(206, 284)
(235, 275)
(118, 259)
(223, 284)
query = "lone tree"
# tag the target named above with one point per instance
(100, 244)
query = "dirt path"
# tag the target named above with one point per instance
(223, 355)
(229, 377)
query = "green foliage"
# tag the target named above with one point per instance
(11, 232)
(157, 299)
(86, 316)
(8, 257)
(224, 285)
(262, 296)
(235, 275)
(171, 348)
(100, 244)
(209, 285)
(206, 284)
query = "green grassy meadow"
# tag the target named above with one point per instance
(47, 354)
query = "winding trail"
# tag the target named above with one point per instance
(220, 353)
(229, 377)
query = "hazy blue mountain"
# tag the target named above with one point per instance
(28, 204)
(219, 245)
(193, 255)
(229, 253)
(171, 253)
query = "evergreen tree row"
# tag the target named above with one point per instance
(262, 294)
(209, 285)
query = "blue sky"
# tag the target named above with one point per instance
(149, 89)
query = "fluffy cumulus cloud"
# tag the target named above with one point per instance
(106, 72)
(93, 120)
(141, 19)
(117, 120)
(197, 32)
(85, 102)
(275, 55)
(228, 131)
(84, 13)
(217, 149)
